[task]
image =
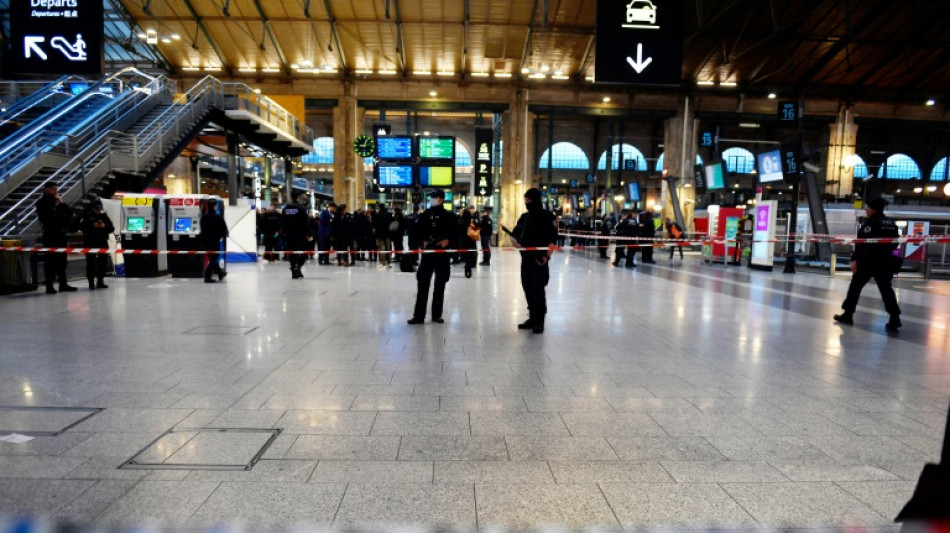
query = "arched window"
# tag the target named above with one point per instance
(630, 153)
(859, 166)
(565, 155)
(939, 173)
(462, 156)
(738, 160)
(659, 161)
(322, 154)
(901, 167)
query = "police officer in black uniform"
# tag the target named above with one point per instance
(213, 229)
(874, 260)
(270, 229)
(295, 225)
(96, 227)
(535, 229)
(56, 218)
(435, 230)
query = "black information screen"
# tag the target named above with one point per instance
(56, 37)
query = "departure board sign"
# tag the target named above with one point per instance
(437, 148)
(639, 42)
(484, 139)
(394, 175)
(56, 37)
(394, 148)
(436, 176)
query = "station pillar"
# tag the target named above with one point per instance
(516, 173)
(842, 140)
(679, 149)
(348, 187)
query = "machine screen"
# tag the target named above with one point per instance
(182, 225)
(135, 224)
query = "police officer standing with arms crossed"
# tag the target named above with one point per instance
(56, 218)
(435, 230)
(535, 229)
(874, 260)
(296, 230)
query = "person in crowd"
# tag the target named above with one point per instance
(342, 236)
(380, 227)
(673, 232)
(436, 229)
(647, 233)
(535, 229)
(626, 249)
(397, 230)
(96, 227)
(874, 260)
(213, 229)
(411, 233)
(324, 234)
(603, 244)
(56, 219)
(363, 235)
(269, 227)
(485, 225)
(295, 227)
(465, 240)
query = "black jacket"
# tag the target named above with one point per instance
(213, 229)
(485, 224)
(96, 228)
(270, 223)
(536, 228)
(381, 222)
(56, 218)
(876, 226)
(435, 225)
(295, 224)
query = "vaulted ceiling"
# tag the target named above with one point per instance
(849, 49)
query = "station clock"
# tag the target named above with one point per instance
(364, 145)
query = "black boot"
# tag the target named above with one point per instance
(538, 325)
(50, 289)
(893, 323)
(101, 284)
(527, 324)
(845, 318)
(92, 284)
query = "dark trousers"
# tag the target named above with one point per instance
(534, 278)
(96, 266)
(323, 245)
(54, 264)
(270, 245)
(440, 265)
(603, 246)
(673, 249)
(646, 252)
(212, 266)
(486, 249)
(398, 247)
(883, 278)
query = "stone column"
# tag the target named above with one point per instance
(842, 140)
(679, 149)
(516, 175)
(347, 166)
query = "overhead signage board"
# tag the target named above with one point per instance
(437, 148)
(56, 37)
(639, 42)
(788, 113)
(484, 139)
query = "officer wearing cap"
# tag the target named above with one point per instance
(874, 260)
(435, 230)
(96, 227)
(536, 228)
(295, 226)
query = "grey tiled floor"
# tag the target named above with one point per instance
(679, 395)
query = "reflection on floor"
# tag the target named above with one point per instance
(672, 395)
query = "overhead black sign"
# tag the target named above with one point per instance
(572, 184)
(484, 138)
(791, 162)
(788, 113)
(56, 36)
(382, 129)
(706, 138)
(700, 174)
(639, 42)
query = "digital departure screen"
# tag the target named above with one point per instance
(436, 176)
(633, 192)
(714, 176)
(437, 148)
(394, 148)
(135, 224)
(78, 88)
(183, 224)
(394, 176)
(770, 166)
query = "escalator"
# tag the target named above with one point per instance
(31, 107)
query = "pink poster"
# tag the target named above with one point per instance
(762, 218)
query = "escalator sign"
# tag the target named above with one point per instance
(56, 37)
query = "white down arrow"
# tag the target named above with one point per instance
(640, 63)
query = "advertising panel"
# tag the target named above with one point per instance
(763, 249)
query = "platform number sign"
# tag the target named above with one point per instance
(791, 162)
(56, 37)
(706, 139)
(788, 112)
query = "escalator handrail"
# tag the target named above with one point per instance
(21, 105)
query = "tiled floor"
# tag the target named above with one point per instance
(675, 395)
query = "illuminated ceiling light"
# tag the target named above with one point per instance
(166, 40)
(918, 190)
(728, 84)
(748, 125)
(433, 94)
(212, 68)
(525, 70)
(247, 69)
(589, 78)
(364, 71)
(294, 66)
(560, 77)
(538, 75)
(932, 188)
(176, 37)
(705, 83)
(545, 68)
(141, 35)
(446, 73)
(946, 189)
(558, 72)
(772, 96)
(151, 36)
(190, 69)
(502, 74)
(257, 91)
(422, 72)
(565, 181)
(386, 72)
(931, 102)
(606, 100)
(479, 74)
(307, 63)
(330, 70)
(270, 69)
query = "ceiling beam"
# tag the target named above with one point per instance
(336, 36)
(779, 42)
(273, 38)
(400, 44)
(204, 29)
(590, 48)
(465, 18)
(527, 41)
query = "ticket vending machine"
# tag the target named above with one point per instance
(183, 230)
(142, 225)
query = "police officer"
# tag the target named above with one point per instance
(874, 260)
(295, 225)
(536, 228)
(96, 227)
(270, 229)
(435, 230)
(56, 218)
(213, 229)
(485, 225)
